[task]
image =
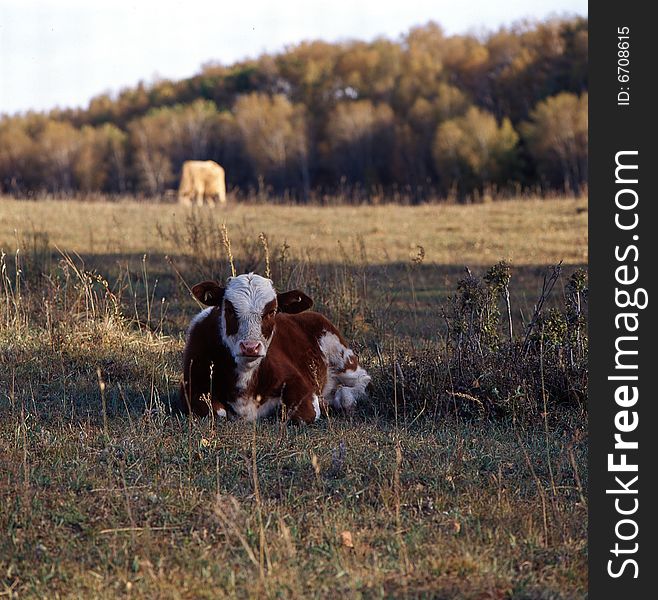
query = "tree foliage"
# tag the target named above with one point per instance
(428, 113)
(556, 135)
(275, 136)
(360, 139)
(474, 149)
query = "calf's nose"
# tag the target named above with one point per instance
(250, 348)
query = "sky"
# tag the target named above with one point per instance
(64, 52)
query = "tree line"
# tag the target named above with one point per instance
(424, 116)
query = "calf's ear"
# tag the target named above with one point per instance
(209, 293)
(293, 302)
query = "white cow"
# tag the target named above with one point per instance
(202, 180)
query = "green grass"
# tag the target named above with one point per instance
(422, 493)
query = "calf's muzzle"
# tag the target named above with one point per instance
(251, 349)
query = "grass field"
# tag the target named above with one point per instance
(462, 477)
(526, 232)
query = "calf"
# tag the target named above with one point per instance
(253, 350)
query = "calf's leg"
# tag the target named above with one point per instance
(302, 404)
(347, 381)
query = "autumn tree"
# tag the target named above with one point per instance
(360, 140)
(102, 109)
(421, 65)
(306, 74)
(89, 168)
(275, 137)
(556, 137)
(152, 142)
(100, 163)
(531, 61)
(422, 111)
(17, 156)
(413, 161)
(116, 143)
(58, 146)
(368, 70)
(474, 150)
(466, 58)
(192, 129)
(228, 149)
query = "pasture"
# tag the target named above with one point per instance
(464, 476)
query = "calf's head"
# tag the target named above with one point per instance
(249, 304)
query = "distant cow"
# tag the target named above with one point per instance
(254, 350)
(202, 180)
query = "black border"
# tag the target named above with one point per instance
(614, 128)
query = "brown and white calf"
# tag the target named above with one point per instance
(253, 350)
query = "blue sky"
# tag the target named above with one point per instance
(64, 52)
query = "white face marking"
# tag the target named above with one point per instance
(345, 384)
(249, 294)
(221, 413)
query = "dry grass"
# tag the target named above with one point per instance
(421, 494)
(99, 516)
(528, 232)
